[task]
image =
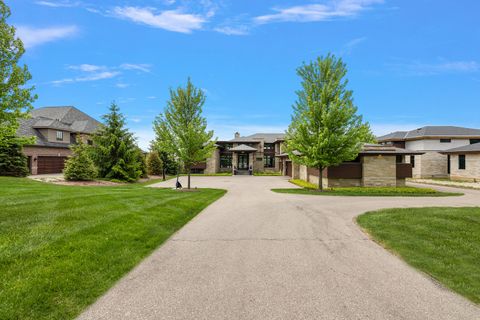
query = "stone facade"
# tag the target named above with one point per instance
(472, 167)
(430, 165)
(213, 163)
(379, 171)
(34, 152)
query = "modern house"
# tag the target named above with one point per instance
(432, 141)
(376, 165)
(255, 153)
(55, 129)
(464, 162)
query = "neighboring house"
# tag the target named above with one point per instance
(375, 166)
(432, 141)
(55, 129)
(256, 152)
(464, 162)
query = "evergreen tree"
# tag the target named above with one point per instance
(12, 160)
(325, 129)
(181, 130)
(143, 163)
(114, 151)
(80, 166)
(154, 164)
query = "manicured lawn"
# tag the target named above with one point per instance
(61, 247)
(443, 242)
(310, 189)
(267, 173)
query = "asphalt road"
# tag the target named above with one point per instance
(255, 254)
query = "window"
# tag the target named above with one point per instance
(269, 146)
(226, 161)
(269, 161)
(59, 135)
(473, 141)
(399, 158)
(462, 162)
(412, 161)
(445, 140)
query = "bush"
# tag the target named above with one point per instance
(79, 166)
(154, 164)
(13, 162)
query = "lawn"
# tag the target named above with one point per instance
(61, 247)
(268, 174)
(310, 189)
(442, 242)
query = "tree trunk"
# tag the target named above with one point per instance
(189, 169)
(320, 178)
(163, 174)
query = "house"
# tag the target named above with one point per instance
(464, 162)
(375, 166)
(256, 152)
(431, 141)
(55, 129)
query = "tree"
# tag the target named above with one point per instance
(80, 166)
(142, 163)
(182, 131)
(167, 160)
(154, 164)
(12, 160)
(15, 98)
(325, 129)
(114, 150)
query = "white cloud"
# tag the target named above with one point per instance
(32, 37)
(380, 129)
(233, 31)
(139, 67)
(91, 77)
(172, 20)
(348, 47)
(87, 67)
(317, 12)
(443, 67)
(122, 85)
(59, 4)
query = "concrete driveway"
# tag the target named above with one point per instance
(255, 254)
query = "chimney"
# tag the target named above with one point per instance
(237, 135)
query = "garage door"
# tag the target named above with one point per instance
(289, 169)
(50, 164)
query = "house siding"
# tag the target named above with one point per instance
(472, 167)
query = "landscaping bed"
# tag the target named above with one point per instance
(311, 189)
(442, 242)
(61, 247)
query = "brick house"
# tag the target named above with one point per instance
(431, 141)
(55, 129)
(464, 162)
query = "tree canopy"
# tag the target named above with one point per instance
(325, 129)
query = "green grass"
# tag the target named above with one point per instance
(267, 173)
(220, 174)
(310, 189)
(442, 242)
(61, 247)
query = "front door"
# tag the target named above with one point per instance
(243, 162)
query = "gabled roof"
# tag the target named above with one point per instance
(471, 148)
(431, 131)
(243, 148)
(257, 137)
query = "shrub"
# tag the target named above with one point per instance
(154, 164)
(79, 166)
(12, 160)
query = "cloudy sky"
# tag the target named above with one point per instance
(411, 62)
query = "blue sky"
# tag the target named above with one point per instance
(411, 63)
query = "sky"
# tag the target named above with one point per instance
(410, 62)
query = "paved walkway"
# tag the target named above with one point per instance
(255, 254)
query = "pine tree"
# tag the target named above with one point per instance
(325, 129)
(12, 160)
(80, 166)
(182, 131)
(154, 164)
(114, 151)
(143, 163)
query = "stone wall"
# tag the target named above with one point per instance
(433, 165)
(35, 152)
(213, 163)
(471, 171)
(379, 171)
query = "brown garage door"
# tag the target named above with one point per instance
(50, 164)
(289, 169)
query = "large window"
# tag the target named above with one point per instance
(473, 141)
(462, 165)
(269, 161)
(412, 161)
(226, 161)
(269, 146)
(445, 140)
(59, 135)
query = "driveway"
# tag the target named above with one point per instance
(255, 254)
